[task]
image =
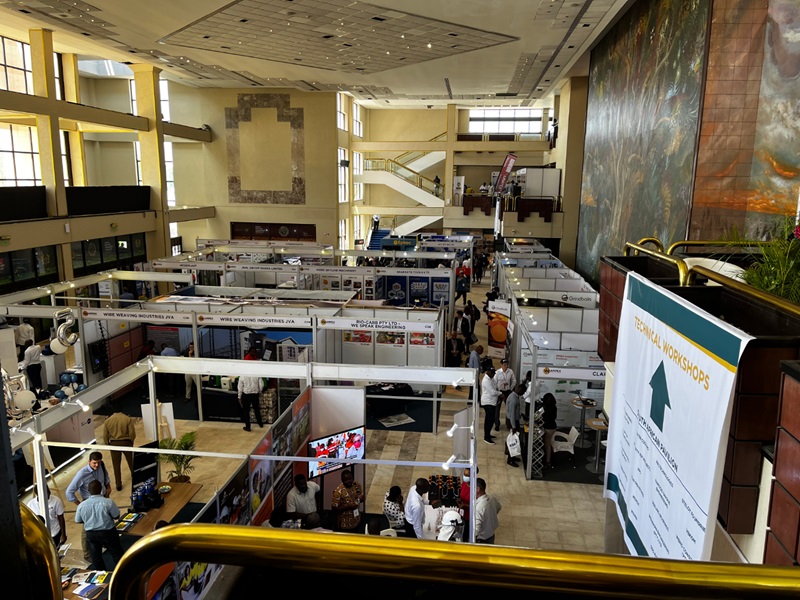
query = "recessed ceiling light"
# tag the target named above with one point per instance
(429, 45)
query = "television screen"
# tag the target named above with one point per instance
(347, 444)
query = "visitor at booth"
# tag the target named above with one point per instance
(347, 498)
(55, 510)
(414, 512)
(489, 400)
(455, 350)
(119, 430)
(549, 425)
(98, 515)
(303, 499)
(486, 509)
(32, 365)
(462, 287)
(394, 509)
(505, 381)
(513, 415)
(22, 333)
(463, 499)
(189, 379)
(249, 391)
(484, 189)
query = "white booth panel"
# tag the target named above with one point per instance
(564, 273)
(263, 278)
(357, 347)
(579, 341)
(546, 339)
(535, 319)
(565, 319)
(542, 285)
(591, 320)
(570, 285)
(390, 348)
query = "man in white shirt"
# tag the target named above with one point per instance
(302, 499)
(249, 390)
(489, 398)
(505, 380)
(22, 333)
(415, 508)
(55, 510)
(32, 365)
(486, 509)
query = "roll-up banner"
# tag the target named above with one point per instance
(505, 171)
(499, 314)
(670, 415)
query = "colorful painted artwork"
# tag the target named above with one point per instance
(643, 114)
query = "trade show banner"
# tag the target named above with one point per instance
(420, 290)
(499, 314)
(441, 291)
(397, 290)
(675, 375)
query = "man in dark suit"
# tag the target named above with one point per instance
(461, 325)
(455, 350)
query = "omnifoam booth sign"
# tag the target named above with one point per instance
(674, 381)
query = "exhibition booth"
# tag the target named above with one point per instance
(328, 413)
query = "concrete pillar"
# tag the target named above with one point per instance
(72, 93)
(449, 157)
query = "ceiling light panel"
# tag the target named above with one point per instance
(341, 35)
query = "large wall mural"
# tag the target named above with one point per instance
(245, 105)
(643, 113)
(748, 162)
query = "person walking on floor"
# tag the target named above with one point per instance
(474, 362)
(462, 287)
(249, 391)
(486, 510)
(98, 515)
(489, 398)
(461, 325)
(119, 430)
(189, 379)
(505, 381)
(513, 413)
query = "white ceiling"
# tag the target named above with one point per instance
(388, 54)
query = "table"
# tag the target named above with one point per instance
(599, 425)
(174, 501)
(583, 404)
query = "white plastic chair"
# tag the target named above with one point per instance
(388, 533)
(566, 443)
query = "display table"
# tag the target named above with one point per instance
(583, 404)
(599, 425)
(180, 495)
(221, 405)
(433, 521)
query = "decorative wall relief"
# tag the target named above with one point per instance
(645, 86)
(246, 103)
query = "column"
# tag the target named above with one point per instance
(449, 157)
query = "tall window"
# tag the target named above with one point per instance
(163, 87)
(343, 234)
(356, 228)
(19, 156)
(505, 120)
(342, 154)
(16, 74)
(358, 169)
(341, 116)
(358, 126)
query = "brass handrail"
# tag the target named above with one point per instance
(422, 152)
(42, 556)
(685, 276)
(652, 240)
(458, 566)
(721, 243)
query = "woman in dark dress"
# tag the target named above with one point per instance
(549, 418)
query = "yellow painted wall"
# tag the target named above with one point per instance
(113, 94)
(407, 125)
(201, 173)
(110, 163)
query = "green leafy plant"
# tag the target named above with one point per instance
(776, 265)
(181, 463)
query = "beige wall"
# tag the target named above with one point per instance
(406, 125)
(201, 170)
(113, 94)
(110, 163)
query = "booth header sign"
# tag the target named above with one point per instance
(376, 324)
(548, 372)
(253, 321)
(676, 368)
(200, 266)
(275, 268)
(135, 315)
(579, 299)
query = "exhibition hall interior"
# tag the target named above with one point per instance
(449, 294)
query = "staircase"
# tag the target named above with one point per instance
(420, 160)
(376, 237)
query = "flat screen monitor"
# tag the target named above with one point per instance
(346, 444)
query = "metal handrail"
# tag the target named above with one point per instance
(457, 566)
(697, 243)
(655, 241)
(392, 166)
(42, 556)
(403, 158)
(685, 277)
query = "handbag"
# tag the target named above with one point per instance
(473, 339)
(512, 441)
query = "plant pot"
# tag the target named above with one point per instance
(180, 479)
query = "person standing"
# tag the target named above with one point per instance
(513, 417)
(473, 313)
(303, 499)
(346, 500)
(462, 287)
(171, 380)
(474, 362)
(415, 508)
(437, 185)
(119, 430)
(189, 379)
(477, 271)
(22, 333)
(98, 515)
(461, 326)
(55, 512)
(455, 350)
(94, 471)
(486, 510)
(489, 399)
(505, 381)
(32, 365)
(376, 223)
(249, 391)
(549, 425)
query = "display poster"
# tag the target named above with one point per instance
(234, 499)
(391, 338)
(675, 374)
(358, 337)
(369, 288)
(261, 481)
(499, 314)
(422, 339)
(301, 425)
(380, 288)
(419, 288)
(440, 293)
(397, 290)
(328, 282)
(566, 358)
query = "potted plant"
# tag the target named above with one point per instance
(181, 463)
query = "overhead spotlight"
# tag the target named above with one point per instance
(447, 464)
(38, 436)
(83, 405)
(452, 431)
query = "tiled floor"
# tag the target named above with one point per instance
(536, 514)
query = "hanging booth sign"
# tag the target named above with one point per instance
(135, 315)
(376, 324)
(252, 321)
(499, 316)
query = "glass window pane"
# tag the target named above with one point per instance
(7, 172)
(169, 171)
(165, 110)
(34, 140)
(492, 114)
(5, 268)
(476, 126)
(506, 127)
(5, 137)
(22, 263)
(476, 113)
(3, 82)
(26, 53)
(522, 113)
(46, 261)
(138, 244)
(168, 156)
(28, 82)
(37, 168)
(24, 165)
(14, 55)
(22, 138)
(171, 197)
(77, 255)
(16, 80)
(91, 252)
(490, 126)
(109, 246)
(56, 65)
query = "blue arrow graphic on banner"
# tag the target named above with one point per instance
(660, 399)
